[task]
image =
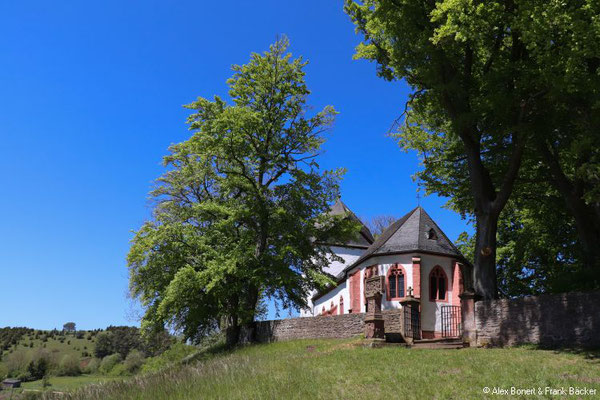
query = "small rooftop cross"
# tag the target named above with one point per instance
(418, 197)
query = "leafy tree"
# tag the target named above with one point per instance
(69, 327)
(239, 211)
(38, 368)
(104, 345)
(124, 339)
(485, 76)
(118, 339)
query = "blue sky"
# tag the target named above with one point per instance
(91, 97)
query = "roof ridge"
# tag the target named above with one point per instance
(440, 230)
(383, 238)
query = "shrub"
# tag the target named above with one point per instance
(92, 366)
(119, 370)
(134, 361)
(69, 366)
(109, 362)
(38, 368)
(176, 353)
(16, 363)
(3, 372)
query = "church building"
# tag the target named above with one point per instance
(416, 259)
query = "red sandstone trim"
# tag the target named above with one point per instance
(457, 283)
(431, 334)
(416, 273)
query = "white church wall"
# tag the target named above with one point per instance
(349, 256)
(431, 311)
(332, 296)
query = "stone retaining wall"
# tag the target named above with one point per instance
(337, 326)
(568, 319)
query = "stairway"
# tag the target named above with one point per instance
(442, 343)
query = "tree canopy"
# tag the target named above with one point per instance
(494, 83)
(240, 212)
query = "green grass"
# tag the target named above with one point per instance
(76, 346)
(68, 383)
(332, 369)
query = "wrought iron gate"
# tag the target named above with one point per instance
(412, 322)
(451, 321)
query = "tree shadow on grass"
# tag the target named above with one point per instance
(591, 354)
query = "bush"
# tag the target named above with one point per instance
(134, 361)
(109, 362)
(3, 372)
(69, 366)
(176, 353)
(38, 368)
(119, 370)
(93, 366)
(16, 363)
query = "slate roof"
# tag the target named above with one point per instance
(411, 234)
(364, 238)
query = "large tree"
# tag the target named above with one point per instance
(480, 90)
(242, 208)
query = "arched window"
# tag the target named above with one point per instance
(395, 283)
(323, 311)
(341, 305)
(438, 284)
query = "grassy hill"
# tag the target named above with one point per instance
(332, 369)
(80, 344)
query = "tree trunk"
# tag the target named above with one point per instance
(588, 228)
(232, 331)
(587, 219)
(484, 273)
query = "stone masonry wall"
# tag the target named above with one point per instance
(568, 319)
(336, 326)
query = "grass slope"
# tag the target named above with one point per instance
(68, 383)
(69, 345)
(331, 369)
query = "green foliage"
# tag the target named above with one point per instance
(69, 327)
(3, 371)
(104, 345)
(38, 367)
(69, 366)
(239, 210)
(134, 361)
(124, 339)
(16, 363)
(92, 366)
(11, 336)
(497, 84)
(175, 354)
(109, 362)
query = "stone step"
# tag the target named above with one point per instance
(437, 346)
(440, 343)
